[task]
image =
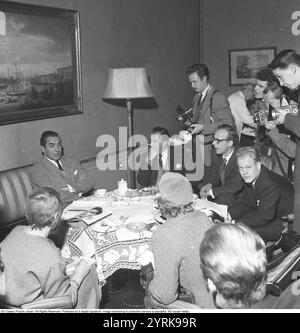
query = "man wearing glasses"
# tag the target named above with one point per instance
(224, 182)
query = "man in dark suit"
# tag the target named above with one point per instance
(224, 182)
(266, 196)
(210, 109)
(161, 157)
(62, 173)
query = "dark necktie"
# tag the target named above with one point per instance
(160, 161)
(222, 171)
(196, 108)
(59, 165)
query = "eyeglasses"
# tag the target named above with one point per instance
(219, 140)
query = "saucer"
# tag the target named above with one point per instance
(136, 226)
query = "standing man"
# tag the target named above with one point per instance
(286, 67)
(62, 173)
(267, 196)
(224, 181)
(238, 104)
(211, 108)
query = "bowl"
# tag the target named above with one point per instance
(100, 192)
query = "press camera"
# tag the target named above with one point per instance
(272, 114)
(184, 116)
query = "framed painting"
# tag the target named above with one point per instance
(245, 63)
(40, 70)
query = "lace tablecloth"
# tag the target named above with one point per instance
(116, 249)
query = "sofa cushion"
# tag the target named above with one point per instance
(14, 188)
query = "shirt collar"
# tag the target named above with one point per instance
(228, 156)
(52, 161)
(205, 91)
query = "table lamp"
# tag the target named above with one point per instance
(127, 84)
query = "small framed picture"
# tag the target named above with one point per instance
(245, 63)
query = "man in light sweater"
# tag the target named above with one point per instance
(239, 109)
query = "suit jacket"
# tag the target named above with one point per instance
(229, 192)
(213, 111)
(147, 175)
(261, 207)
(45, 173)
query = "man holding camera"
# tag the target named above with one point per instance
(286, 67)
(210, 108)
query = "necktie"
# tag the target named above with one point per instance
(59, 165)
(222, 171)
(160, 161)
(196, 108)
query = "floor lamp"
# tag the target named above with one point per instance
(127, 84)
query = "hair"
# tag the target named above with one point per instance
(201, 69)
(275, 87)
(248, 85)
(160, 130)
(284, 58)
(266, 74)
(233, 257)
(42, 207)
(45, 135)
(169, 209)
(248, 151)
(232, 134)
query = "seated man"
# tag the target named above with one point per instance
(266, 196)
(224, 182)
(234, 264)
(62, 173)
(34, 267)
(175, 244)
(161, 158)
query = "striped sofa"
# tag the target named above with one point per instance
(14, 188)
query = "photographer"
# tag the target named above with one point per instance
(286, 67)
(210, 108)
(284, 146)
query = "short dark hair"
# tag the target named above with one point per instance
(232, 134)
(266, 75)
(284, 58)
(47, 134)
(201, 69)
(160, 130)
(42, 207)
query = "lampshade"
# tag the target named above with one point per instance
(127, 83)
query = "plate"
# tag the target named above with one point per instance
(107, 225)
(136, 226)
(119, 204)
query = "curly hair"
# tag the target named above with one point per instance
(169, 209)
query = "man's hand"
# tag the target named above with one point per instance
(205, 191)
(197, 128)
(270, 124)
(281, 116)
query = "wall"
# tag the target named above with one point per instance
(162, 36)
(234, 24)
